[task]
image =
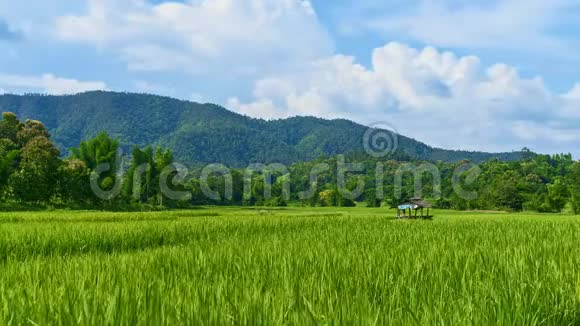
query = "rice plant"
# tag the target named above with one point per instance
(288, 266)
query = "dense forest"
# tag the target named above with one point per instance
(94, 175)
(205, 133)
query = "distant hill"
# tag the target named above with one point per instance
(206, 133)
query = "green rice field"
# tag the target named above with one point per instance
(295, 266)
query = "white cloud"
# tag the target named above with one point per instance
(574, 93)
(437, 97)
(514, 25)
(548, 131)
(48, 83)
(263, 108)
(202, 36)
(281, 49)
(144, 86)
(198, 97)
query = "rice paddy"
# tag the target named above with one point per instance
(288, 266)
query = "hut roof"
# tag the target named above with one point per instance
(420, 202)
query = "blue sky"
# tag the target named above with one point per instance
(479, 75)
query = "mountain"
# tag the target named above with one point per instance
(206, 133)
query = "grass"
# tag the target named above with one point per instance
(288, 266)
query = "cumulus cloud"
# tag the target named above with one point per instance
(574, 93)
(47, 83)
(280, 51)
(202, 36)
(437, 97)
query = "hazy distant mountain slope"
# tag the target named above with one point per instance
(202, 133)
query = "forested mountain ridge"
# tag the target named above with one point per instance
(206, 133)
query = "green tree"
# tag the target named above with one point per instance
(371, 198)
(9, 126)
(503, 192)
(328, 198)
(8, 161)
(36, 179)
(9, 150)
(574, 187)
(74, 182)
(558, 195)
(140, 174)
(162, 160)
(333, 198)
(99, 150)
(30, 130)
(145, 172)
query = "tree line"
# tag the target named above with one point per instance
(541, 183)
(33, 173)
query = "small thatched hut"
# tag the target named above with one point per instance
(414, 204)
